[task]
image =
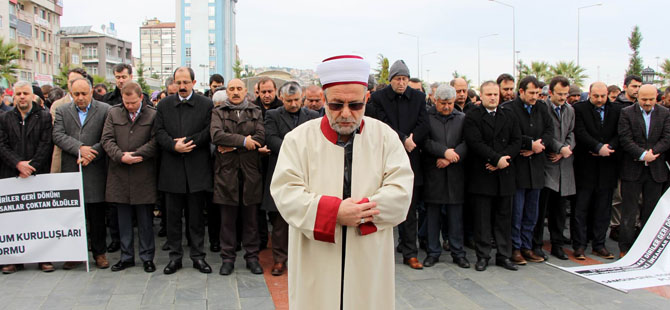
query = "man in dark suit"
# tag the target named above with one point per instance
(404, 109)
(536, 128)
(77, 131)
(185, 174)
(278, 123)
(644, 134)
(493, 138)
(596, 170)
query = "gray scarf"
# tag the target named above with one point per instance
(243, 105)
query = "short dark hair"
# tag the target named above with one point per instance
(541, 84)
(613, 88)
(190, 72)
(630, 78)
(81, 72)
(264, 80)
(504, 77)
(100, 85)
(120, 67)
(523, 84)
(415, 80)
(558, 80)
(471, 93)
(667, 90)
(216, 78)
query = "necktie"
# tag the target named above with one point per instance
(600, 111)
(493, 113)
(529, 108)
(184, 101)
(133, 116)
(558, 111)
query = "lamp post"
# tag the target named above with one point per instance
(478, 55)
(417, 52)
(513, 35)
(648, 75)
(204, 74)
(426, 54)
(578, 11)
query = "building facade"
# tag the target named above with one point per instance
(206, 38)
(70, 54)
(158, 48)
(99, 52)
(34, 27)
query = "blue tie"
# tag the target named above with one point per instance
(558, 111)
(601, 111)
(529, 108)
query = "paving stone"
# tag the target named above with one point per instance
(27, 303)
(257, 303)
(124, 302)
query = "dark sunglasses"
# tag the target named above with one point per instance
(353, 106)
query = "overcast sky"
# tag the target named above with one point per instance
(301, 33)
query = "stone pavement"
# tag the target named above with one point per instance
(444, 286)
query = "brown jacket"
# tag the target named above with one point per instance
(130, 184)
(55, 157)
(229, 128)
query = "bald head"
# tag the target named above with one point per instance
(598, 93)
(314, 99)
(646, 97)
(461, 87)
(236, 91)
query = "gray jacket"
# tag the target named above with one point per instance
(560, 176)
(69, 134)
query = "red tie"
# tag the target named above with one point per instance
(133, 116)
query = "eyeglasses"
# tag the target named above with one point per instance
(353, 106)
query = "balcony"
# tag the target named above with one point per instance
(89, 59)
(28, 18)
(21, 40)
(113, 59)
(25, 63)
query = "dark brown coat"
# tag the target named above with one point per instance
(229, 128)
(130, 184)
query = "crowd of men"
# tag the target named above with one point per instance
(489, 166)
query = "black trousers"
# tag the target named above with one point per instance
(176, 206)
(279, 237)
(553, 207)
(145, 231)
(113, 222)
(409, 230)
(499, 208)
(434, 223)
(213, 220)
(591, 213)
(97, 230)
(262, 219)
(229, 229)
(630, 192)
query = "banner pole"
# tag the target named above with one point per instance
(83, 204)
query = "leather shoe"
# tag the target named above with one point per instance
(481, 264)
(9, 269)
(517, 258)
(46, 267)
(579, 254)
(622, 254)
(101, 261)
(462, 262)
(430, 261)
(226, 268)
(113, 247)
(530, 256)
(539, 252)
(445, 246)
(122, 265)
(255, 267)
(507, 264)
(604, 253)
(149, 266)
(559, 253)
(278, 269)
(202, 266)
(71, 265)
(413, 263)
(215, 247)
(172, 267)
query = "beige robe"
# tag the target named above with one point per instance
(307, 188)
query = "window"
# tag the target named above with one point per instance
(188, 63)
(43, 14)
(75, 59)
(212, 1)
(43, 36)
(212, 11)
(212, 24)
(35, 10)
(187, 25)
(44, 57)
(212, 38)
(187, 38)
(49, 36)
(12, 9)
(188, 52)
(12, 33)
(37, 56)
(50, 59)
(212, 65)
(187, 11)
(212, 51)
(37, 33)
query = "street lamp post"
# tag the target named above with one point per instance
(513, 35)
(426, 54)
(578, 11)
(478, 55)
(417, 52)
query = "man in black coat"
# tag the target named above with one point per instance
(25, 144)
(644, 134)
(463, 103)
(444, 152)
(185, 174)
(404, 109)
(493, 138)
(536, 126)
(278, 123)
(596, 169)
(631, 88)
(123, 73)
